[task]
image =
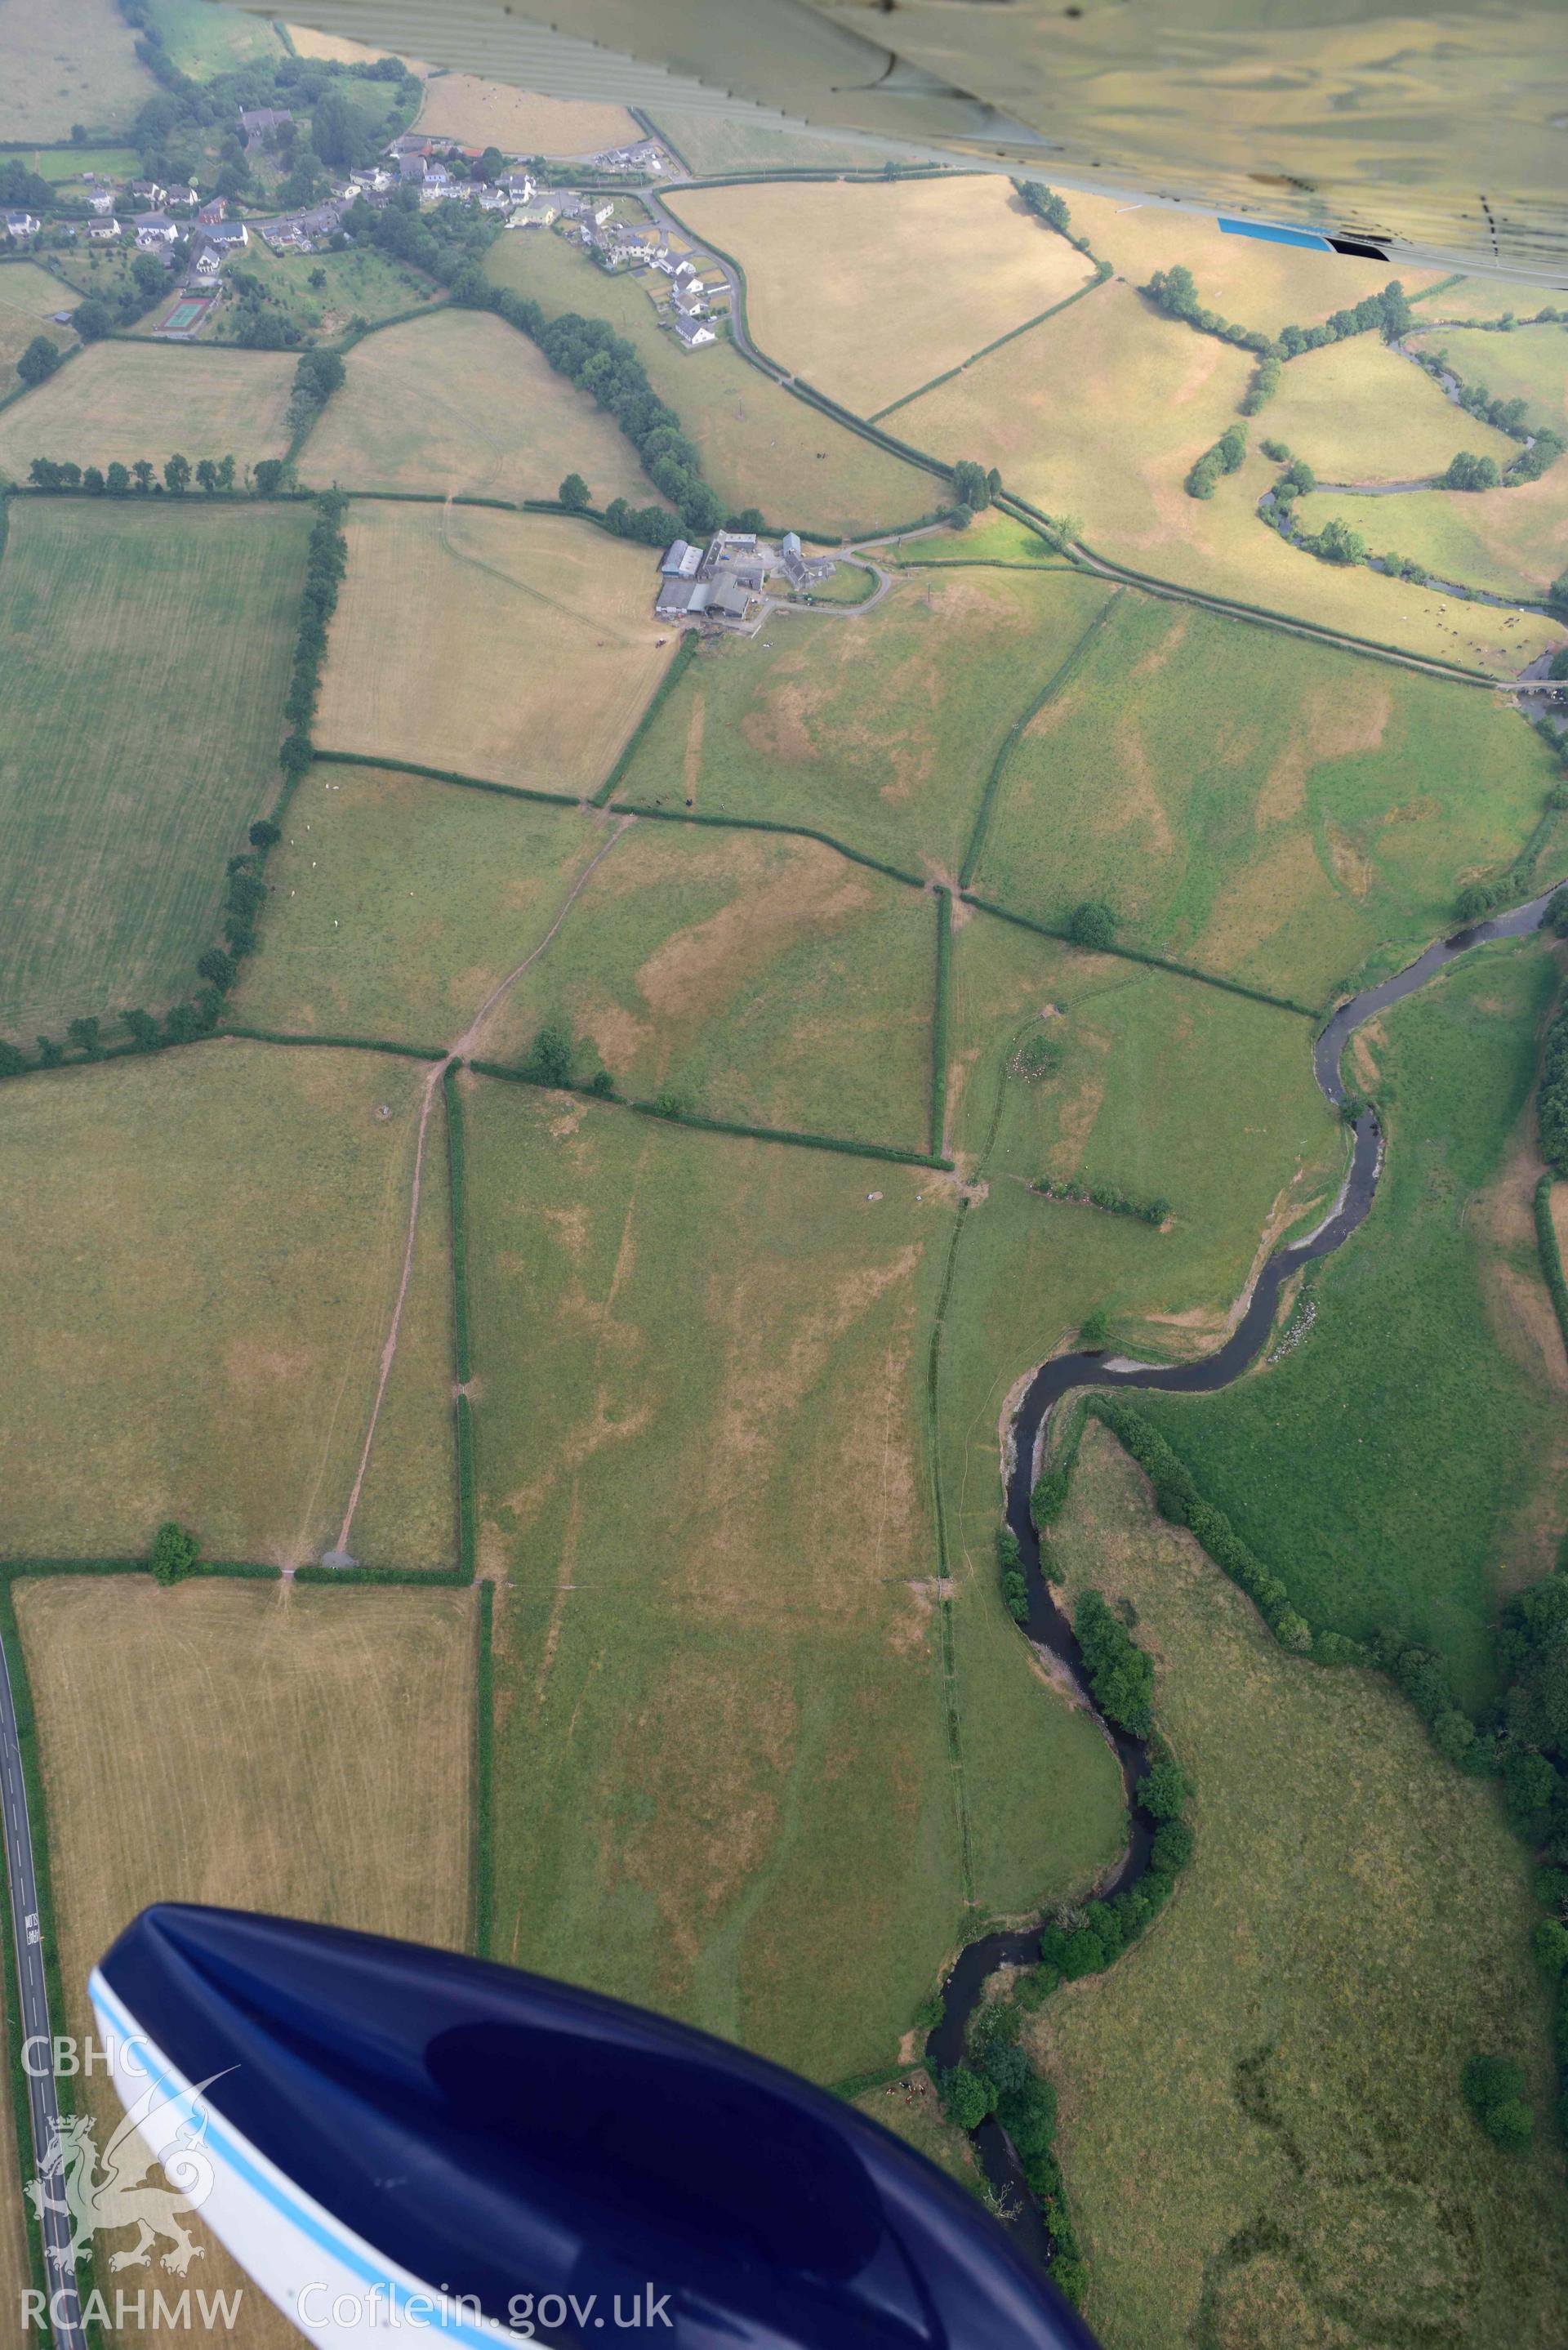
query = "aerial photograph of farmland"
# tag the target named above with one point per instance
(783, 1063)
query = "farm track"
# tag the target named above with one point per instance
(458, 1051)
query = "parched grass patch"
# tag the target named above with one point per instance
(1099, 414)
(69, 61)
(312, 1757)
(1258, 805)
(460, 402)
(1256, 284)
(1527, 363)
(116, 403)
(144, 656)
(755, 977)
(870, 289)
(1394, 1454)
(722, 1782)
(520, 122)
(205, 1348)
(1277, 2065)
(1509, 541)
(880, 732)
(398, 905)
(759, 444)
(521, 647)
(1358, 412)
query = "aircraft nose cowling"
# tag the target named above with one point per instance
(399, 2135)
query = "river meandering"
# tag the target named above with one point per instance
(1047, 1624)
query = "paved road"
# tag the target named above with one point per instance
(69, 2331)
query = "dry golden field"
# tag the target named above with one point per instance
(1258, 284)
(521, 648)
(257, 1746)
(494, 114)
(459, 402)
(869, 291)
(1099, 414)
(1358, 412)
(121, 401)
(129, 400)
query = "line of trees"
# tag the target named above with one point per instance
(215, 476)
(1175, 292)
(1552, 1099)
(318, 375)
(1075, 1940)
(1104, 1196)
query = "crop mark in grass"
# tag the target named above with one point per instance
(459, 1050)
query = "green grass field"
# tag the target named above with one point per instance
(1262, 2129)
(1530, 363)
(1358, 412)
(1509, 542)
(759, 445)
(1407, 1455)
(69, 61)
(880, 732)
(203, 40)
(460, 402)
(993, 537)
(1149, 1069)
(1258, 805)
(722, 1783)
(710, 143)
(759, 978)
(1099, 413)
(27, 296)
(361, 284)
(145, 655)
(59, 164)
(199, 1319)
(118, 402)
(398, 905)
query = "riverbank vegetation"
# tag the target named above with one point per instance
(1398, 1463)
(1389, 1915)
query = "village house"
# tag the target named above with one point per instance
(155, 229)
(256, 122)
(645, 156)
(101, 199)
(101, 228)
(691, 332)
(180, 198)
(147, 193)
(212, 212)
(22, 225)
(229, 236)
(371, 180)
(206, 260)
(493, 200)
(538, 214)
(518, 185)
(438, 180)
